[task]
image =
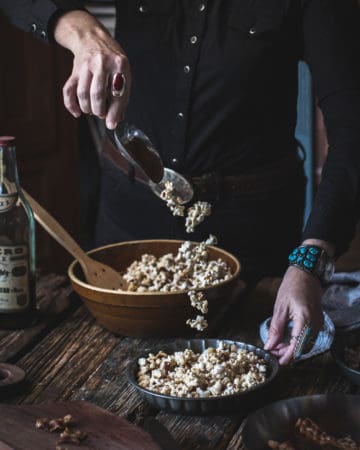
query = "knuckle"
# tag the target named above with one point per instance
(67, 91)
(82, 95)
(118, 61)
(99, 60)
(97, 95)
(67, 102)
(124, 60)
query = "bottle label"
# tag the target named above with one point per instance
(14, 278)
(7, 201)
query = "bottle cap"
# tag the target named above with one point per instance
(7, 140)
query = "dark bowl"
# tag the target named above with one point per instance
(338, 414)
(338, 349)
(209, 405)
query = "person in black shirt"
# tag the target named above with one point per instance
(214, 86)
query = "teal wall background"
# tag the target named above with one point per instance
(305, 131)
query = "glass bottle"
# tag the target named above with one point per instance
(17, 245)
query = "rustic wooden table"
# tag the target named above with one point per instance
(67, 356)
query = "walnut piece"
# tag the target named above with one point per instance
(314, 434)
(61, 425)
(53, 425)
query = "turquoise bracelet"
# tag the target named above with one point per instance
(305, 257)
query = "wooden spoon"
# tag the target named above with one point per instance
(96, 273)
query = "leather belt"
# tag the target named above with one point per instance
(269, 178)
(274, 176)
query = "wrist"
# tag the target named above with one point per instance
(312, 258)
(327, 246)
(75, 28)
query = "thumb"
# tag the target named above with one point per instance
(276, 330)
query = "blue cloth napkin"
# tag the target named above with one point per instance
(322, 343)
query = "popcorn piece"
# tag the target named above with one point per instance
(196, 214)
(211, 240)
(189, 269)
(220, 371)
(173, 201)
(198, 301)
(199, 323)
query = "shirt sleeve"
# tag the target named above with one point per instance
(37, 16)
(332, 49)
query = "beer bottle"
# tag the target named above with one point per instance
(17, 245)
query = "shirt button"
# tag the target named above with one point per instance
(43, 35)
(187, 69)
(174, 160)
(202, 7)
(193, 39)
(33, 27)
(180, 115)
(252, 31)
(143, 9)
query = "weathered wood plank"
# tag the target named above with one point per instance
(54, 300)
(62, 362)
(80, 360)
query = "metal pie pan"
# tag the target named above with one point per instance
(337, 351)
(209, 405)
(338, 414)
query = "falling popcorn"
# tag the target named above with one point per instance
(198, 301)
(199, 323)
(196, 214)
(189, 269)
(173, 201)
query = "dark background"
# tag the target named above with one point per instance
(57, 156)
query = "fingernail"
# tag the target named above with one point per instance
(111, 125)
(267, 345)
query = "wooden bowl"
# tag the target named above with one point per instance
(147, 314)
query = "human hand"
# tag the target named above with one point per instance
(299, 300)
(97, 57)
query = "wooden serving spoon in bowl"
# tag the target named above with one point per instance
(96, 273)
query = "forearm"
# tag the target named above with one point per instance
(75, 28)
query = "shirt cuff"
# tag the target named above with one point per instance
(45, 14)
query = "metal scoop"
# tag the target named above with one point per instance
(139, 151)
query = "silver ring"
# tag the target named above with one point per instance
(118, 85)
(302, 340)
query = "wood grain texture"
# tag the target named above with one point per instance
(54, 300)
(79, 360)
(103, 430)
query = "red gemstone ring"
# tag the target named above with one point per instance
(118, 85)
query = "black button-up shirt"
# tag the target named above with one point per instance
(215, 88)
